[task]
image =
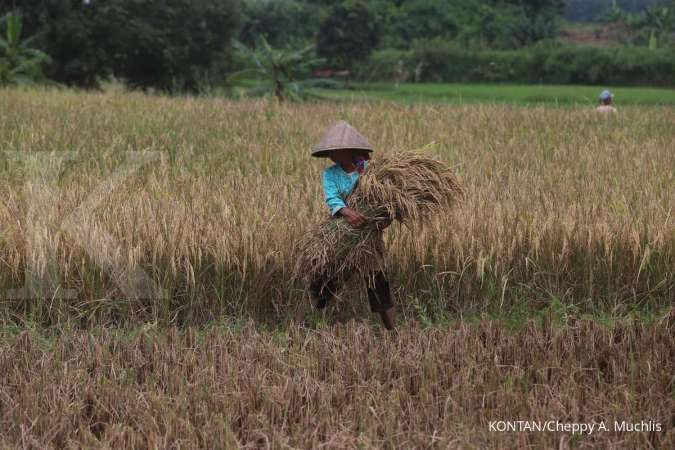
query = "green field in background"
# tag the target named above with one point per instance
(569, 95)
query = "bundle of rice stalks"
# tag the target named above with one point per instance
(407, 186)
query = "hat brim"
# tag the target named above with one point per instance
(325, 152)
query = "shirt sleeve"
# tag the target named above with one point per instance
(331, 193)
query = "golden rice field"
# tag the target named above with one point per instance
(147, 297)
(562, 205)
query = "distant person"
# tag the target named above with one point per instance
(606, 99)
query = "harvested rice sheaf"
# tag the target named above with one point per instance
(410, 187)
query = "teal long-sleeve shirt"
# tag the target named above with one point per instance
(337, 185)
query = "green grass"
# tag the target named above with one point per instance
(503, 93)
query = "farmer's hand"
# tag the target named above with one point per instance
(353, 217)
(381, 224)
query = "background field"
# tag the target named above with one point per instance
(566, 95)
(566, 238)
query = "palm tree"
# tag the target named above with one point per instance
(278, 72)
(19, 63)
(659, 22)
(653, 26)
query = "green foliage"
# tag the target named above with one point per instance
(387, 64)
(282, 73)
(441, 61)
(184, 45)
(173, 44)
(171, 48)
(654, 26)
(19, 62)
(591, 10)
(349, 34)
(479, 23)
(75, 36)
(419, 19)
(501, 26)
(284, 23)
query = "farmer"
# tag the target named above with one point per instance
(350, 151)
(606, 98)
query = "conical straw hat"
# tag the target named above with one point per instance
(341, 135)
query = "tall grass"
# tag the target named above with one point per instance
(561, 205)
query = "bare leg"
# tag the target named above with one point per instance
(379, 297)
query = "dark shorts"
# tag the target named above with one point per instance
(377, 286)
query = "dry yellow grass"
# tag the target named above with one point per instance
(561, 203)
(340, 387)
(563, 208)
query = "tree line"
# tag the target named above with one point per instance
(167, 44)
(595, 10)
(187, 45)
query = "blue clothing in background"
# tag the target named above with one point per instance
(337, 185)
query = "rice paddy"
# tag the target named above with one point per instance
(147, 255)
